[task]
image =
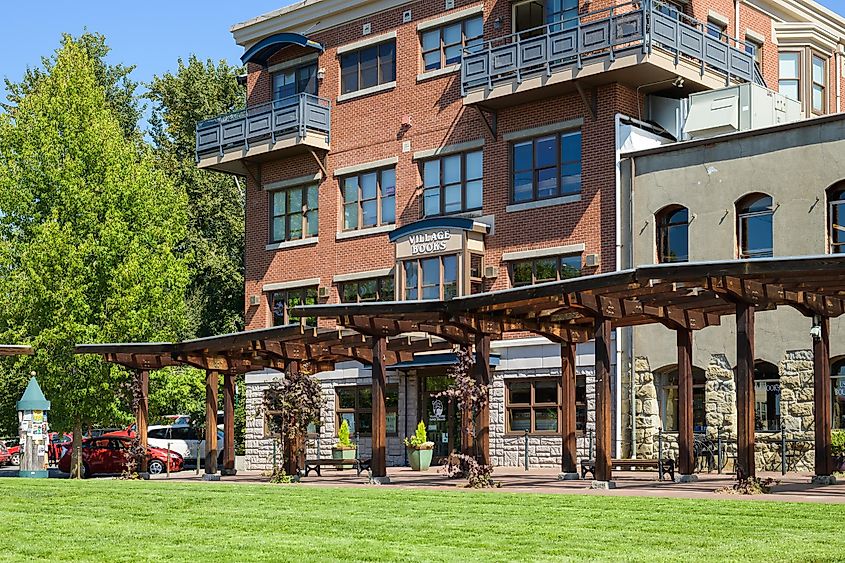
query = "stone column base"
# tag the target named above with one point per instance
(379, 480)
(685, 478)
(823, 480)
(228, 472)
(210, 476)
(603, 485)
(568, 476)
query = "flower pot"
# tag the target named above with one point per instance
(420, 459)
(343, 453)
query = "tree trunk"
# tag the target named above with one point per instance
(76, 451)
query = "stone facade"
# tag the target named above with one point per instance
(646, 409)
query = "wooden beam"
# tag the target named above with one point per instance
(379, 384)
(746, 466)
(142, 417)
(228, 424)
(483, 376)
(686, 440)
(603, 400)
(568, 427)
(212, 380)
(821, 395)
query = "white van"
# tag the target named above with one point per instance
(183, 440)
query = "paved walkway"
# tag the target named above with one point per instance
(795, 487)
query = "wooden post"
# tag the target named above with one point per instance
(569, 450)
(482, 370)
(212, 380)
(228, 424)
(686, 440)
(142, 418)
(290, 444)
(745, 390)
(821, 394)
(603, 399)
(379, 440)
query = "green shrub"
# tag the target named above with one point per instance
(420, 439)
(343, 440)
(837, 442)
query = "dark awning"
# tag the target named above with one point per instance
(269, 46)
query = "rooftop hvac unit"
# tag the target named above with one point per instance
(324, 292)
(738, 108)
(491, 272)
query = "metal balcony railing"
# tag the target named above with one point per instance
(604, 35)
(299, 115)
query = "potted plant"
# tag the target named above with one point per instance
(837, 449)
(344, 449)
(419, 449)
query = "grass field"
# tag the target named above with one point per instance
(109, 520)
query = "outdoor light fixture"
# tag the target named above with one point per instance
(321, 74)
(497, 23)
(678, 83)
(816, 329)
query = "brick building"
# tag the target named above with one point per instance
(416, 150)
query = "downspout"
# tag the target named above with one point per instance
(736, 25)
(837, 61)
(620, 248)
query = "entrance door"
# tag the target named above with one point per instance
(441, 417)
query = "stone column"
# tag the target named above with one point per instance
(720, 398)
(646, 410)
(796, 403)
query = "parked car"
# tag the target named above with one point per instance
(57, 443)
(5, 457)
(183, 440)
(112, 455)
(13, 446)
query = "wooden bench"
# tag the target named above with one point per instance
(663, 467)
(316, 464)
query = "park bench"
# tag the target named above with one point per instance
(316, 464)
(662, 466)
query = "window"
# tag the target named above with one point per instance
(673, 235)
(546, 167)
(674, 10)
(755, 49)
(766, 397)
(431, 278)
(281, 302)
(717, 30)
(561, 14)
(669, 399)
(299, 80)
(444, 46)
(545, 269)
(293, 213)
(528, 16)
(452, 183)
(368, 67)
(754, 214)
(535, 405)
(355, 406)
(372, 289)
(819, 75)
(789, 72)
(273, 425)
(836, 218)
(369, 199)
(837, 377)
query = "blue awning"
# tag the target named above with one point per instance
(433, 360)
(269, 46)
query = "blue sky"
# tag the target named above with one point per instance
(151, 34)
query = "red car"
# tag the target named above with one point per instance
(111, 455)
(5, 457)
(14, 449)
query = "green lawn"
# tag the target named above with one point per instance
(109, 520)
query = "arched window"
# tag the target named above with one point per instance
(673, 234)
(837, 378)
(667, 379)
(754, 226)
(766, 397)
(836, 217)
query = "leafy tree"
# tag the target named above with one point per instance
(89, 230)
(296, 401)
(215, 244)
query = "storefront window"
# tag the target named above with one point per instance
(837, 376)
(766, 397)
(668, 378)
(431, 278)
(535, 405)
(355, 406)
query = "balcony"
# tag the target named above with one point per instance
(228, 142)
(637, 43)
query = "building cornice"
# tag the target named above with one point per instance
(805, 34)
(804, 11)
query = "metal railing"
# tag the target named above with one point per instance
(603, 35)
(299, 115)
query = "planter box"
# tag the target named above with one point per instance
(420, 459)
(343, 453)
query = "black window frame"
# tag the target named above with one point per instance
(765, 372)
(744, 213)
(392, 389)
(469, 43)
(532, 405)
(533, 262)
(307, 214)
(666, 224)
(383, 53)
(560, 162)
(441, 186)
(307, 296)
(380, 198)
(307, 84)
(384, 289)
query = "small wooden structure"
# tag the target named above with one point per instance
(686, 297)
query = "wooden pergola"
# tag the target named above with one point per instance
(289, 348)
(684, 297)
(15, 350)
